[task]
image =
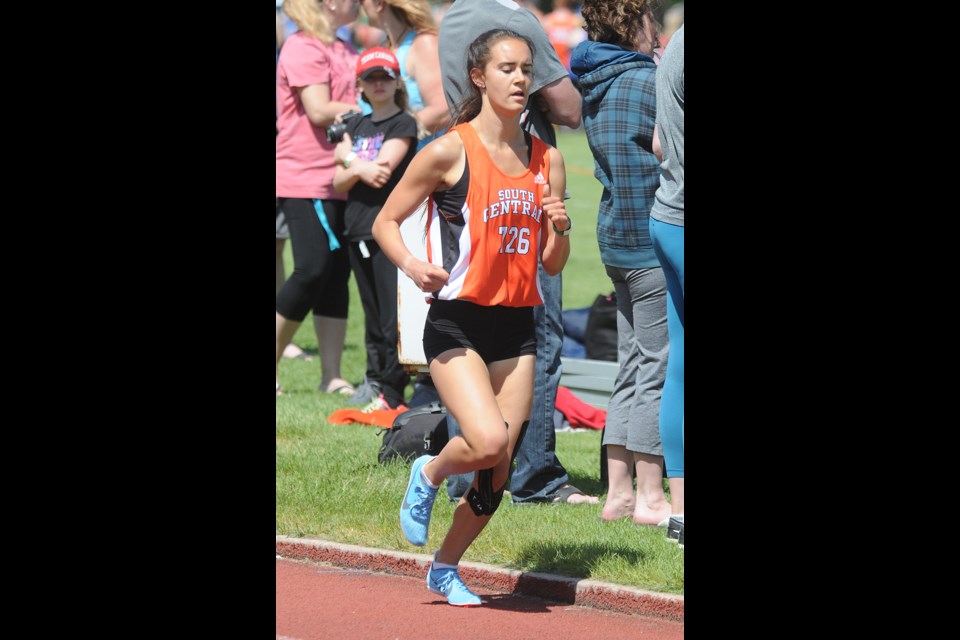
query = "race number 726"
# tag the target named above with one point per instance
(514, 239)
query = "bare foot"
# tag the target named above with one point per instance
(644, 514)
(615, 508)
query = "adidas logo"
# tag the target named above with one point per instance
(539, 179)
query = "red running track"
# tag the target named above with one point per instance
(321, 601)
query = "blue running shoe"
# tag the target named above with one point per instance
(447, 583)
(417, 505)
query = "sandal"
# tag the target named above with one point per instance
(562, 496)
(344, 388)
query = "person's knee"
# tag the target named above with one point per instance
(489, 448)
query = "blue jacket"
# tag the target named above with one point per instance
(619, 112)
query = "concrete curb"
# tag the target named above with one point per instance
(588, 593)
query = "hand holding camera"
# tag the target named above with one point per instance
(337, 129)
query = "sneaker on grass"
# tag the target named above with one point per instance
(675, 528)
(377, 404)
(367, 391)
(417, 505)
(447, 583)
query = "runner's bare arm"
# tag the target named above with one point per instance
(556, 248)
(437, 166)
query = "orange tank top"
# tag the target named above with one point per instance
(489, 242)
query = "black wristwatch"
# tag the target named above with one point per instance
(565, 231)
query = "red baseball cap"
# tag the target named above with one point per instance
(377, 59)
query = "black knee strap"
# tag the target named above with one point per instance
(484, 500)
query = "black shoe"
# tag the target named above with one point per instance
(674, 529)
(680, 539)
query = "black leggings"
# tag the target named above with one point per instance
(319, 278)
(376, 279)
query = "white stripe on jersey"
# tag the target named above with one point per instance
(458, 273)
(539, 288)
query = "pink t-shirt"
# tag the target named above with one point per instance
(305, 166)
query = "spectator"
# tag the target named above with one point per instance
(374, 153)
(617, 76)
(412, 36)
(666, 231)
(285, 26)
(314, 86)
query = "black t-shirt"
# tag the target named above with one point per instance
(363, 201)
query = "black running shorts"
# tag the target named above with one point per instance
(495, 333)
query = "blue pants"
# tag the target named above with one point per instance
(538, 473)
(668, 244)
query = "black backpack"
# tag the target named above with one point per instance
(600, 339)
(416, 432)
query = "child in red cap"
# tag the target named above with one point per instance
(373, 154)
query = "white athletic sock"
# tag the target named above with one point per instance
(440, 565)
(426, 480)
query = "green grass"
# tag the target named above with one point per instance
(584, 276)
(329, 484)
